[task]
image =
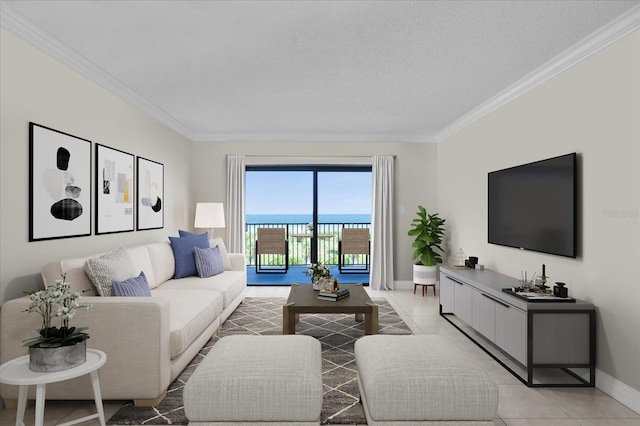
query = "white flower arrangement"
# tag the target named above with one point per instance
(317, 271)
(57, 300)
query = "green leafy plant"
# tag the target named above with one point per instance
(428, 231)
(56, 300)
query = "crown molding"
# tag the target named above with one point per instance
(13, 21)
(316, 137)
(615, 30)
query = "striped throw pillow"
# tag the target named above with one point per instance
(133, 287)
(208, 262)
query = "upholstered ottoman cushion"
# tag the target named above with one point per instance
(422, 379)
(257, 380)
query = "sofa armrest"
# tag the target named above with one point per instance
(132, 331)
(237, 262)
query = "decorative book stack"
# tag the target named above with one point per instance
(330, 295)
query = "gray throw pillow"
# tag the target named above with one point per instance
(113, 266)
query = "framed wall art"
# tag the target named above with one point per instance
(114, 190)
(59, 184)
(150, 192)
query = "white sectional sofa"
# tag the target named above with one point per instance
(148, 340)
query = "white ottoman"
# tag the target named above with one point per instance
(257, 380)
(422, 380)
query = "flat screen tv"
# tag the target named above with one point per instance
(533, 206)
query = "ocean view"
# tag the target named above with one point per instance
(306, 218)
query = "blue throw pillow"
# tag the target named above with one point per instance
(190, 234)
(183, 253)
(209, 262)
(133, 287)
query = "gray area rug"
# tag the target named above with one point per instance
(261, 316)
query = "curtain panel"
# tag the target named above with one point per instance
(381, 277)
(235, 203)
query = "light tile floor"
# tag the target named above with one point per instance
(518, 406)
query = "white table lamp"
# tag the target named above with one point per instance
(209, 215)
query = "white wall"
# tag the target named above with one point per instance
(415, 167)
(592, 109)
(37, 88)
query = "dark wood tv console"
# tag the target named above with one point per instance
(540, 339)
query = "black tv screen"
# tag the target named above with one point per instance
(533, 206)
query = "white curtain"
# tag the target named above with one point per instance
(382, 224)
(235, 203)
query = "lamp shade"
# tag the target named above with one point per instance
(209, 215)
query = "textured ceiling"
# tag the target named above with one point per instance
(317, 70)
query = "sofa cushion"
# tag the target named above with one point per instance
(76, 276)
(230, 284)
(141, 260)
(190, 313)
(133, 287)
(208, 262)
(162, 263)
(113, 266)
(226, 261)
(183, 253)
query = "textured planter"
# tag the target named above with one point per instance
(424, 274)
(48, 360)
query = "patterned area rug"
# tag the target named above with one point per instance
(337, 334)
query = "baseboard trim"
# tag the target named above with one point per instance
(617, 390)
(403, 285)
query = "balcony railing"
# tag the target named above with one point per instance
(300, 239)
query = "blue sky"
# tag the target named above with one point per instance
(287, 192)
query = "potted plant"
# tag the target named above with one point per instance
(56, 349)
(428, 231)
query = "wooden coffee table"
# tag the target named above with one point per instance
(303, 299)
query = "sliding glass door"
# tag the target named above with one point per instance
(312, 203)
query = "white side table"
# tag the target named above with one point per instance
(16, 372)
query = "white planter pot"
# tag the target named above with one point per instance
(425, 274)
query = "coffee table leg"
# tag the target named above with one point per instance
(22, 405)
(359, 317)
(97, 395)
(40, 398)
(288, 320)
(371, 320)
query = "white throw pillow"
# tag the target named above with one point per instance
(223, 252)
(113, 266)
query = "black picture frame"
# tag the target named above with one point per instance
(115, 187)
(59, 184)
(150, 194)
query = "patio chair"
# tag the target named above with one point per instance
(271, 241)
(354, 241)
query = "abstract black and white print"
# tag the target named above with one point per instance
(150, 194)
(60, 184)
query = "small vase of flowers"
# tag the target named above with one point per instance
(56, 349)
(319, 273)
